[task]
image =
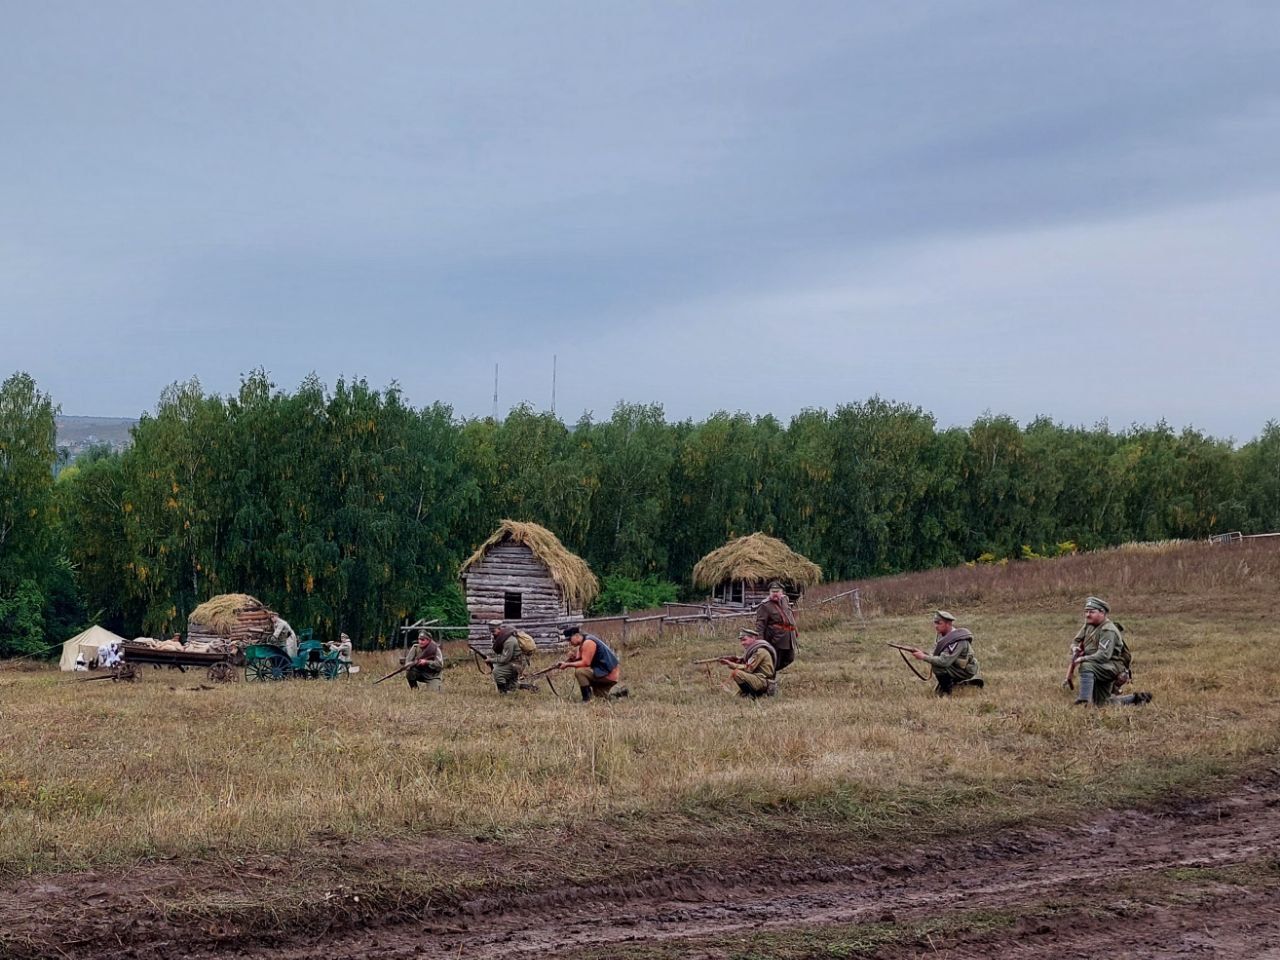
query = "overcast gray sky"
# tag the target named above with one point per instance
(1060, 208)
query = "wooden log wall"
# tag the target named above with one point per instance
(512, 568)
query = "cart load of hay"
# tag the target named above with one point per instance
(234, 618)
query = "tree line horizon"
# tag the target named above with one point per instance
(349, 509)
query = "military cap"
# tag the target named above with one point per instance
(1095, 603)
(775, 584)
(495, 623)
(748, 632)
(569, 631)
(943, 615)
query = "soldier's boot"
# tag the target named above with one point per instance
(586, 694)
(619, 693)
(1084, 696)
(944, 687)
(1132, 699)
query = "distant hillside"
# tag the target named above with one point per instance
(77, 434)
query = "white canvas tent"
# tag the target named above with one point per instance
(88, 642)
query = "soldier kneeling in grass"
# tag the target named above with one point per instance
(952, 661)
(595, 667)
(426, 664)
(1101, 659)
(754, 672)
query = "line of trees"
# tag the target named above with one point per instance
(347, 508)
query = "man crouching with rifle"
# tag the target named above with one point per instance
(755, 671)
(952, 661)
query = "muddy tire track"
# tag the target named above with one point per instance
(1014, 868)
(691, 912)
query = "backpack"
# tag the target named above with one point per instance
(528, 646)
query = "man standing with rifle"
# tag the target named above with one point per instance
(776, 625)
(1101, 659)
(952, 661)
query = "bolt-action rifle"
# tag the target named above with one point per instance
(902, 652)
(395, 673)
(1069, 681)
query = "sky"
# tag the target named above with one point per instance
(1029, 208)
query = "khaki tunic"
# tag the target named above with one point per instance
(756, 672)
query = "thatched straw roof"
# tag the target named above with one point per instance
(753, 559)
(221, 614)
(578, 584)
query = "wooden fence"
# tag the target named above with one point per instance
(670, 619)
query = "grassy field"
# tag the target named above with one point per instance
(174, 767)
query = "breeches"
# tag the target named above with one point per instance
(786, 657)
(750, 682)
(417, 675)
(505, 677)
(586, 677)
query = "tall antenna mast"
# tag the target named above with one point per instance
(495, 393)
(553, 384)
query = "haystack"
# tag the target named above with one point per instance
(524, 575)
(740, 571)
(236, 617)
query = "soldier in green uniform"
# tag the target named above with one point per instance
(508, 661)
(952, 661)
(427, 661)
(754, 672)
(1102, 659)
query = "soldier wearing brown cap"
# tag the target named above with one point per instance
(776, 625)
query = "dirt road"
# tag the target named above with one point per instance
(1200, 880)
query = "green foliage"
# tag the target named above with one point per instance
(347, 509)
(446, 605)
(22, 620)
(619, 593)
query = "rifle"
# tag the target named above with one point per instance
(1069, 682)
(396, 673)
(543, 672)
(716, 660)
(902, 652)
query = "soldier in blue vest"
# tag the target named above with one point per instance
(595, 667)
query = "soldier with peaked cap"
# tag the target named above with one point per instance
(754, 670)
(1102, 659)
(776, 625)
(952, 661)
(426, 663)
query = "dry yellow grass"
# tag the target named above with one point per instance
(172, 766)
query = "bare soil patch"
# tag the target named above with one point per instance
(1196, 878)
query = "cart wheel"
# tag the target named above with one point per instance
(332, 669)
(222, 672)
(260, 668)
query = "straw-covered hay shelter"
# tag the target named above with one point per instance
(236, 617)
(525, 576)
(740, 571)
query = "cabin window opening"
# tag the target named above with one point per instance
(736, 595)
(512, 604)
